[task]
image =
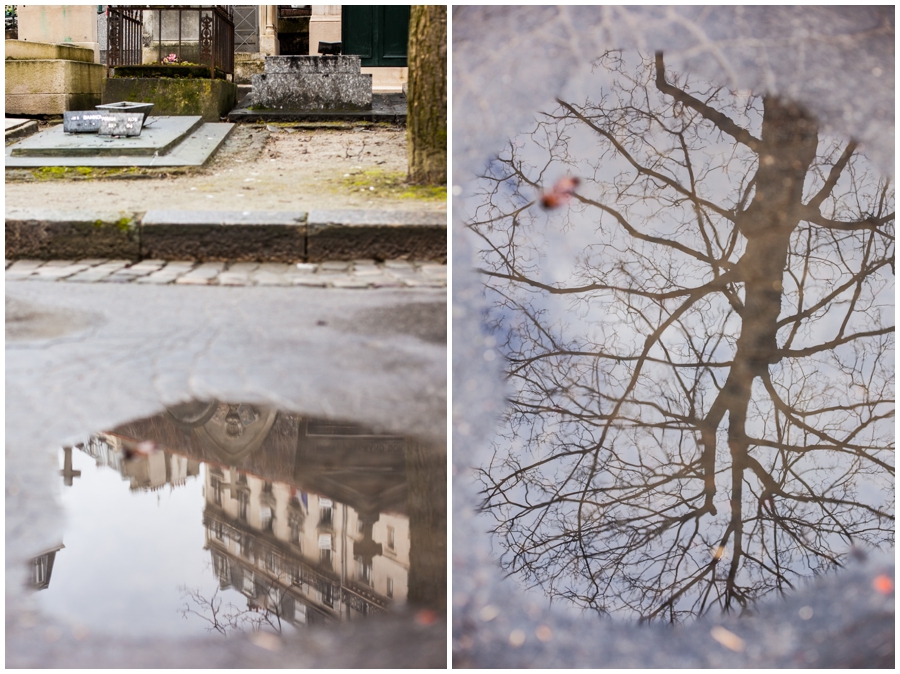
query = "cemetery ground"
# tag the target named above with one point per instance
(360, 340)
(260, 166)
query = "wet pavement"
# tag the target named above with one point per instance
(129, 551)
(667, 449)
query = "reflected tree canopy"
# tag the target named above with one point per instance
(699, 346)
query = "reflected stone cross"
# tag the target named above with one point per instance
(67, 471)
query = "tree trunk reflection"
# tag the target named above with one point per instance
(708, 417)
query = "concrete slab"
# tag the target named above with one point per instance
(20, 128)
(236, 236)
(248, 236)
(159, 136)
(49, 234)
(194, 149)
(380, 235)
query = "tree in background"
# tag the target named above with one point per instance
(427, 95)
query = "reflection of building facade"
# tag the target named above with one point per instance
(300, 555)
(42, 568)
(147, 472)
(306, 518)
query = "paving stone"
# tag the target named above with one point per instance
(312, 280)
(385, 282)
(349, 283)
(51, 272)
(434, 269)
(228, 278)
(22, 269)
(243, 267)
(334, 266)
(203, 274)
(157, 279)
(335, 274)
(367, 271)
(398, 264)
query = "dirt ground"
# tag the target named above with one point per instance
(260, 167)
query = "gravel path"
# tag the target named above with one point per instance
(260, 167)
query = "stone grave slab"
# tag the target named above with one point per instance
(312, 83)
(19, 128)
(193, 147)
(159, 136)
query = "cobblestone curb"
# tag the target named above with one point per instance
(227, 236)
(358, 274)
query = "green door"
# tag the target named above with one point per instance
(378, 33)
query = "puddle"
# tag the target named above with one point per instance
(221, 518)
(692, 289)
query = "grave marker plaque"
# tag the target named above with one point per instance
(82, 121)
(121, 124)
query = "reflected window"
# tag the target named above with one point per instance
(245, 506)
(390, 538)
(326, 513)
(325, 556)
(216, 486)
(364, 571)
(41, 568)
(390, 587)
(266, 518)
(220, 566)
(326, 595)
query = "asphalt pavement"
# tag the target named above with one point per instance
(83, 357)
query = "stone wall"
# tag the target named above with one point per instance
(49, 79)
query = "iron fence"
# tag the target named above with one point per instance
(123, 37)
(200, 34)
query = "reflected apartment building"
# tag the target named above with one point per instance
(306, 518)
(302, 556)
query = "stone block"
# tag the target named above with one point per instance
(49, 104)
(211, 99)
(379, 235)
(312, 65)
(243, 236)
(338, 91)
(244, 69)
(53, 77)
(22, 50)
(53, 235)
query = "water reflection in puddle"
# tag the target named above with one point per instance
(217, 517)
(693, 289)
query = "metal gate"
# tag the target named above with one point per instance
(246, 29)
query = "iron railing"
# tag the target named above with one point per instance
(123, 37)
(194, 34)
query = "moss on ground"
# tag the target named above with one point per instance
(392, 185)
(91, 172)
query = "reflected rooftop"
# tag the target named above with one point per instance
(215, 517)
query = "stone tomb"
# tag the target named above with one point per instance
(164, 142)
(306, 83)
